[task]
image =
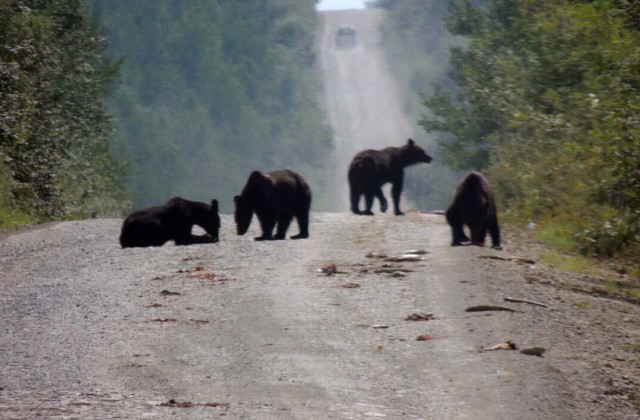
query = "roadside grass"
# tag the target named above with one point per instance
(618, 276)
(10, 220)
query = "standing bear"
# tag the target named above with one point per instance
(371, 169)
(276, 198)
(174, 220)
(474, 205)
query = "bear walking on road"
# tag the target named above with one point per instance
(371, 169)
(474, 205)
(154, 226)
(276, 198)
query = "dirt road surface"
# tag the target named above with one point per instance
(252, 330)
(361, 96)
(247, 329)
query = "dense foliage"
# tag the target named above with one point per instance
(212, 90)
(54, 129)
(547, 101)
(417, 44)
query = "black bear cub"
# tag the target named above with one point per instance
(371, 169)
(154, 226)
(474, 205)
(276, 198)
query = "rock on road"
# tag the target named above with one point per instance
(249, 329)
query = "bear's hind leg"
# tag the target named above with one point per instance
(368, 198)
(283, 225)
(383, 201)
(303, 224)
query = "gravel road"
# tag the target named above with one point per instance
(252, 330)
(362, 98)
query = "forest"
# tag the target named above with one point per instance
(544, 98)
(55, 129)
(212, 89)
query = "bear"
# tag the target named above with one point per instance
(474, 205)
(154, 226)
(371, 169)
(276, 198)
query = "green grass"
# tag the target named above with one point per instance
(558, 236)
(11, 219)
(582, 304)
(568, 262)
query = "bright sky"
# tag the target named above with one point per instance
(340, 4)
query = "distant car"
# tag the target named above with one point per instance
(345, 36)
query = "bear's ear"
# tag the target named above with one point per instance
(410, 142)
(237, 199)
(214, 205)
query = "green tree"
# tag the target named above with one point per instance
(54, 136)
(212, 90)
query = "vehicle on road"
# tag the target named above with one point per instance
(345, 36)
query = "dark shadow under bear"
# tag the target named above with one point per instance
(154, 226)
(276, 198)
(371, 169)
(474, 205)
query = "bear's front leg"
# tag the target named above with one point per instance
(267, 223)
(396, 190)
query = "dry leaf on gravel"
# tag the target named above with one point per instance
(420, 316)
(482, 308)
(164, 320)
(169, 293)
(350, 285)
(533, 351)
(424, 337)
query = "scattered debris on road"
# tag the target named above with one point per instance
(405, 258)
(482, 308)
(424, 337)
(533, 351)
(188, 404)
(530, 302)
(350, 285)
(507, 345)
(522, 260)
(169, 293)
(420, 316)
(164, 320)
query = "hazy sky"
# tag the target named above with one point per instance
(340, 4)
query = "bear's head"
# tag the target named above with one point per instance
(412, 153)
(243, 214)
(212, 225)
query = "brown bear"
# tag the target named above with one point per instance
(474, 205)
(371, 169)
(154, 226)
(276, 198)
